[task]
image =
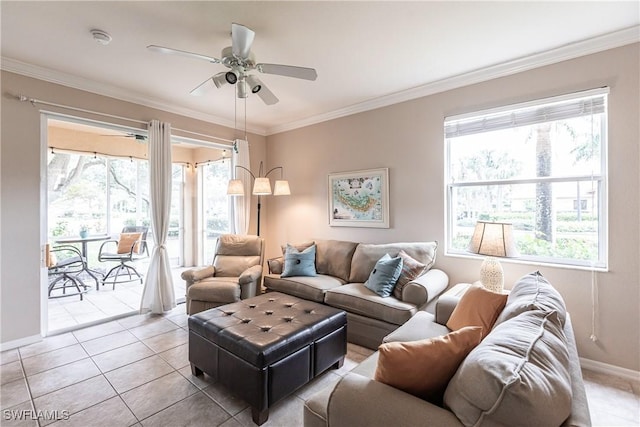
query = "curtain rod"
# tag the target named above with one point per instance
(34, 101)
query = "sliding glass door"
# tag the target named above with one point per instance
(213, 178)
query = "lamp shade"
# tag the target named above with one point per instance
(262, 187)
(493, 239)
(235, 188)
(281, 188)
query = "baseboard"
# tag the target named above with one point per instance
(605, 368)
(10, 345)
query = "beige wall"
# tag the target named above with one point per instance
(21, 153)
(408, 139)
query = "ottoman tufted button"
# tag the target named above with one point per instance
(246, 320)
(289, 305)
(288, 319)
(268, 312)
(252, 306)
(228, 313)
(308, 311)
(265, 328)
(272, 299)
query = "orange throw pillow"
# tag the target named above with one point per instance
(477, 307)
(127, 240)
(425, 367)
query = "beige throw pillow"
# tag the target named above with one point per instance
(423, 368)
(127, 240)
(411, 269)
(477, 307)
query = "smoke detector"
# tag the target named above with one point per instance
(101, 37)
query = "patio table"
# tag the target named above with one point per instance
(83, 241)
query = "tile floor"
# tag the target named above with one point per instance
(134, 371)
(69, 312)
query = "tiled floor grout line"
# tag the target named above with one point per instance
(207, 388)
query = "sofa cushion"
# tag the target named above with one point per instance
(299, 263)
(517, 375)
(215, 289)
(424, 367)
(478, 306)
(533, 292)
(307, 287)
(384, 275)
(366, 256)
(419, 327)
(355, 298)
(411, 268)
(333, 257)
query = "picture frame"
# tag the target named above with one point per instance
(359, 198)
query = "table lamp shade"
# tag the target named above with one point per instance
(494, 239)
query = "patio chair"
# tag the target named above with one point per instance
(129, 247)
(65, 263)
(235, 274)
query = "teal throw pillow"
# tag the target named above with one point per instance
(384, 275)
(298, 263)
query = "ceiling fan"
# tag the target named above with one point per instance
(138, 137)
(241, 61)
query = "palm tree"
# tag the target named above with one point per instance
(544, 193)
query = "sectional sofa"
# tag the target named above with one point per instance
(525, 372)
(343, 267)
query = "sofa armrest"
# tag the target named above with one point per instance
(250, 282)
(251, 274)
(361, 401)
(275, 265)
(444, 307)
(195, 274)
(426, 287)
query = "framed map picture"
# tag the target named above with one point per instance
(359, 199)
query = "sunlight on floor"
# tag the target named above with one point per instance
(70, 312)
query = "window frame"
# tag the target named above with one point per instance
(600, 180)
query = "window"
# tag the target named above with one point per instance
(213, 178)
(541, 166)
(99, 193)
(175, 236)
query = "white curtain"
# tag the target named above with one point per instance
(241, 205)
(158, 295)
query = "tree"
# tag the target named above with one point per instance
(62, 173)
(544, 193)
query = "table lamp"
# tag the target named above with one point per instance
(494, 239)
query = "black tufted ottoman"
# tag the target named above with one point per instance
(266, 347)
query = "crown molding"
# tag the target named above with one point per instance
(570, 51)
(81, 83)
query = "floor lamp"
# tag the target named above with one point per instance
(261, 186)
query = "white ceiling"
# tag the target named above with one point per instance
(366, 53)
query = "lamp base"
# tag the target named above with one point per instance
(492, 275)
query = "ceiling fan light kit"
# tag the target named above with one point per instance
(241, 60)
(101, 37)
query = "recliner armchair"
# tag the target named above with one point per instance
(235, 274)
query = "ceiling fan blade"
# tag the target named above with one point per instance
(169, 50)
(288, 70)
(265, 94)
(203, 88)
(241, 40)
